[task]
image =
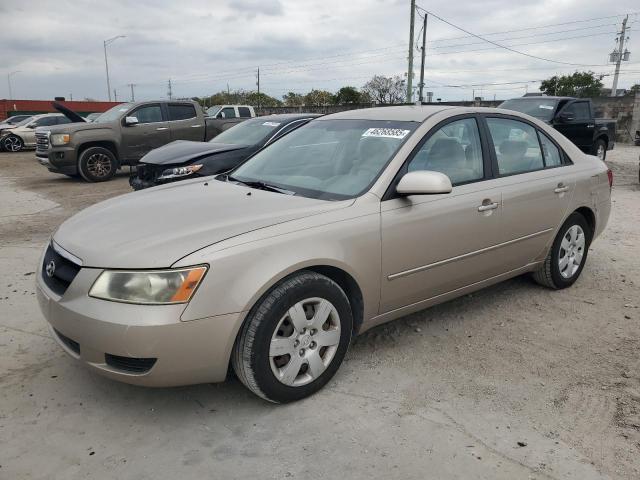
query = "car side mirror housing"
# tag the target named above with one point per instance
(129, 121)
(424, 182)
(566, 117)
(220, 115)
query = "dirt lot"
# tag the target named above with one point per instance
(511, 382)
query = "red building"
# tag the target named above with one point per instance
(9, 108)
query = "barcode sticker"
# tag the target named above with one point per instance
(271, 124)
(386, 133)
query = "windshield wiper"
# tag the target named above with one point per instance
(260, 185)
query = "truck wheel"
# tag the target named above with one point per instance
(600, 149)
(12, 143)
(97, 164)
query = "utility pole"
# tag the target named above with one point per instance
(71, 97)
(115, 95)
(619, 55)
(424, 44)
(410, 67)
(105, 43)
(169, 91)
(258, 83)
(9, 82)
(133, 96)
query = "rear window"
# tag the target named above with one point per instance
(244, 112)
(181, 112)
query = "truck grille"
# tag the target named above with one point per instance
(42, 141)
(57, 271)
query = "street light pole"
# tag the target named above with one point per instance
(9, 82)
(109, 41)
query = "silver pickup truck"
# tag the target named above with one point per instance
(121, 136)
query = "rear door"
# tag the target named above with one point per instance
(434, 244)
(536, 182)
(184, 122)
(151, 131)
(580, 129)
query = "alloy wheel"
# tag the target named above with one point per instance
(99, 165)
(304, 342)
(12, 144)
(571, 251)
(600, 152)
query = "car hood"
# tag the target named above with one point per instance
(67, 112)
(76, 127)
(6, 126)
(182, 151)
(156, 227)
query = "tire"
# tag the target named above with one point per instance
(276, 353)
(12, 143)
(551, 274)
(97, 164)
(599, 149)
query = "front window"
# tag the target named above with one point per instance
(249, 132)
(114, 113)
(542, 108)
(328, 159)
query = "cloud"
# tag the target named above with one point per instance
(251, 8)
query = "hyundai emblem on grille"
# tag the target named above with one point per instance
(51, 268)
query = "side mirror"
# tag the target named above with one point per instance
(32, 126)
(424, 182)
(566, 117)
(129, 121)
(220, 115)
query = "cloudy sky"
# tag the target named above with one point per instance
(203, 46)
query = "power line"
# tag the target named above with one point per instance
(495, 43)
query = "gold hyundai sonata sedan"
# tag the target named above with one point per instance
(350, 221)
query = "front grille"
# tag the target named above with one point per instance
(71, 344)
(130, 364)
(57, 271)
(42, 141)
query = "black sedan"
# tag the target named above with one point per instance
(181, 160)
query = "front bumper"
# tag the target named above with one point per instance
(95, 331)
(59, 160)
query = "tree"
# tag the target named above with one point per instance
(262, 99)
(578, 84)
(318, 98)
(635, 88)
(385, 90)
(292, 99)
(348, 95)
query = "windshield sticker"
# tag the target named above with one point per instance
(546, 107)
(271, 124)
(386, 133)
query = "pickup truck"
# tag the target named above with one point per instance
(573, 117)
(121, 136)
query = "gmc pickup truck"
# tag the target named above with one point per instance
(121, 136)
(573, 117)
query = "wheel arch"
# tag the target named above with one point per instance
(605, 138)
(589, 216)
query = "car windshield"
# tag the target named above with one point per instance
(18, 119)
(213, 111)
(23, 122)
(249, 132)
(542, 108)
(113, 113)
(327, 159)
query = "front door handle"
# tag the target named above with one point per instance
(162, 128)
(561, 188)
(488, 206)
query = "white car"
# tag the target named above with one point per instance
(24, 134)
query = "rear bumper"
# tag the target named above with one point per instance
(138, 344)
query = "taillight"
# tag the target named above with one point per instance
(610, 176)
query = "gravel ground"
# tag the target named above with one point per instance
(515, 381)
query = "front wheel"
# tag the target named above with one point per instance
(568, 254)
(294, 339)
(97, 164)
(12, 143)
(600, 149)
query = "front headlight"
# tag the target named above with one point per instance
(160, 287)
(180, 171)
(59, 139)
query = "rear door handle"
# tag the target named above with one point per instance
(162, 128)
(488, 206)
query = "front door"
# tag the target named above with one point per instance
(580, 129)
(151, 131)
(434, 244)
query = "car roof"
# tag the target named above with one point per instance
(286, 117)
(544, 97)
(408, 113)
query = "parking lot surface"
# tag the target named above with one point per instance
(515, 381)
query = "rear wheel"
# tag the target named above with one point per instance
(568, 254)
(600, 149)
(97, 164)
(12, 143)
(294, 339)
